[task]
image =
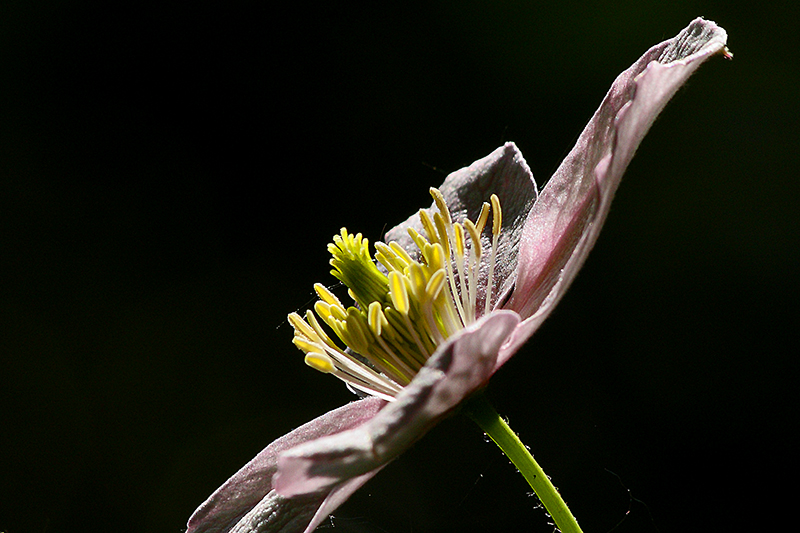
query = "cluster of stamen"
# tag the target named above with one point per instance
(404, 310)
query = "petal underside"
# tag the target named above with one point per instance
(251, 486)
(459, 368)
(567, 217)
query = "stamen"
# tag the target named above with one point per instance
(327, 296)
(442, 232)
(399, 294)
(428, 226)
(342, 365)
(387, 257)
(416, 277)
(300, 325)
(497, 216)
(444, 240)
(459, 233)
(458, 255)
(397, 290)
(321, 335)
(376, 318)
(441, 205)
(402, 254)
(482, 218)
(474, 264)
(434, 255)
(474, 236)
(357, 330)
(319, 361)
(403, 313)
(435, 284)
(497, 226)
(418, 239)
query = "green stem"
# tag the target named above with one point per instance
(481, 411)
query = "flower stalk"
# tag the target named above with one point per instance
(484, 414)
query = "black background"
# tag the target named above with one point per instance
(170, 175)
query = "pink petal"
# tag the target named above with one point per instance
(566, 219)
(278, 514)
(456, 370)
(251, 486)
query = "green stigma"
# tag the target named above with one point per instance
(404, 307)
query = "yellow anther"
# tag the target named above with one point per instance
(327, 296)
(417, 281)
(497, 215)
(338, 313)
(435, 284)
(383, 248)
(497, 226)
(474, 236)
(300, 326)
(388, 258)
(434, 255)
(441, 204)
(357, 331)
(418, 239)
(375, 318)
(383, 260)
(427, 225)
(482, 217)
(306, 346)
(397, 290)
(401, 253)
(320, 362)
(322, 309)
(441, 227)
(322, 335)
(459, 234)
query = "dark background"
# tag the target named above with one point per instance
(170, 175)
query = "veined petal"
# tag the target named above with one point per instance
(461, 366)
(505, 173)
(567, 217)
(251, 486)
(278, 514)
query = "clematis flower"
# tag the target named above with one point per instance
(456, 292)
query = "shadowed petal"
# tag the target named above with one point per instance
(505, 173)
(566, 219)
(337, 497)
(278, 514)
(252, 485)
(455, 371)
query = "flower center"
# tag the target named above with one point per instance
(404, 310)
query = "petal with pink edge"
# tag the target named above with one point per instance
(569, 213)
(252, 485)
(455, 371)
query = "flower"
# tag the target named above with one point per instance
(447, 302)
